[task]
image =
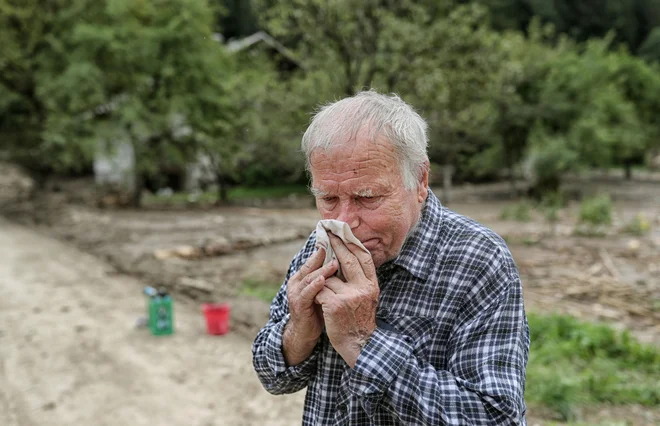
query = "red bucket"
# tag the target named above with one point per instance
(217, 318)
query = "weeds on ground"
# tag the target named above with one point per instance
(596, 210)
(639, 226)
(520, 212)
(550, 206)
(572, 363)
(265, 291)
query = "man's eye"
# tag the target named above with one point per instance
(369, 199)
(328, 199)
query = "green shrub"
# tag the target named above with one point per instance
(596, 210)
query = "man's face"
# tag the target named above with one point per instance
(361, 184)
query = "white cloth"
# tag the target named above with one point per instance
(341, 230)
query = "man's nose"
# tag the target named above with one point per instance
(349, 213)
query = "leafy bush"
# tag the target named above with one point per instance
(573, 363)
(596, 210)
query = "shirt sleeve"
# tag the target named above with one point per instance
(485, 376)
(267, 357)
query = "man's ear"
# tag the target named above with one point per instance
(423, 183)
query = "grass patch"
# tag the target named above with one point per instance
(573, 363)
(265, 291)
(235, 194)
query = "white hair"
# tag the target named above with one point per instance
(390, 116)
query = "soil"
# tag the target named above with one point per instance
(207, 254)
(72, 355)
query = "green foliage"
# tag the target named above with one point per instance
(520, 212)
(596, 210)
(78, 74)
(573, 363)
(265, 291)
(639, 226)
(551, 204)
(650, 49)
(150, 73)
(631, 20)
(35, 83)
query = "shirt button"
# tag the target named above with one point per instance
(343, 408)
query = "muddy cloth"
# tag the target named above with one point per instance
(340, 229)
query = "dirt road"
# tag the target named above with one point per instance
(70, 353)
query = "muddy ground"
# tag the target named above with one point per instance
(208, 254)
(70, 353)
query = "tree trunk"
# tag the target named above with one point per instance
(545, 186)
(223, 190)
(512, 181)
(447, 173)
(40, 179)
(138, 189)
(628, 169)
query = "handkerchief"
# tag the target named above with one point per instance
(341, 230)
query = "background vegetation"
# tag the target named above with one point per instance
(518, 88)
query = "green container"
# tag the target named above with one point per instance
(161, 314)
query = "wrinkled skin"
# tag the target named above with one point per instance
(358, 183)
(306, 323)
(361, 184)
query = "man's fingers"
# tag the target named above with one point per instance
(326, 271)
(350, 265)
(311, 290)
(324, 296)
(313, 263)
(366, 261)
(336, 285)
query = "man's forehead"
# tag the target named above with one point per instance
(361, 191)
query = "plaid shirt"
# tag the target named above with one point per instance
(451, 343)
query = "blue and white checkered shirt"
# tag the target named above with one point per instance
(451, 344)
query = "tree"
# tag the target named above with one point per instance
(34, 127)
(354, 37)
(437, 56)
(174, 90)
(92, 72)
(236, 18)
(650, 49)
(588, 118)
(631, 20)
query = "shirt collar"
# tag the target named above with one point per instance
(418, 251)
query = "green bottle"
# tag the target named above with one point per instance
(161, 314)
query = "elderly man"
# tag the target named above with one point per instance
(427, 326)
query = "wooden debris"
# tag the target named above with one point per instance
(195, 284)
(609, 264)
(184, 252)
(222, 248)
(596, 269)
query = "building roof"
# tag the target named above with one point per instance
(262, 37)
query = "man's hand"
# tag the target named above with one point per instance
(349, 308)
(306, 321)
